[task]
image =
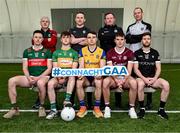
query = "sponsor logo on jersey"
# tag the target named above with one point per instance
(37, 62)
(36, 54)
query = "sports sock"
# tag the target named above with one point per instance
(97, 103)
(162, 104)
(68, 96)
(53, 106)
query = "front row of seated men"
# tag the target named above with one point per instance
(37, 65)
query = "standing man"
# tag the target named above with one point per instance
(106, 36)
(78, 41)
(37, 66)
(50, 36)
(133, 37)
(120, 56)
(49, 42)
(90, 56)
(148, 68)
(64, 58)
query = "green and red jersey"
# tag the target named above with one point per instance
(37, 60)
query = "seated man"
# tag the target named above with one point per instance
(37, 66)
(91, 56)
(148, 68)
(64, 58)
(120, 55)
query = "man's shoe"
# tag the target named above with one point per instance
(141, 113)
(97, 112)
(12, 112)
(132, 113)
(82, 112)
(162, 114)
(107, 112)
(37, 104)
(52, 114)
(42, 112)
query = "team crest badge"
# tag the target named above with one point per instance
(97, 56)
(142, 28)
(125, 58)
(84, 32)
(115, 31)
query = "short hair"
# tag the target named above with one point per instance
(45, 17)
(121, 34)
(92, 32)
(146, 34)
(65, 33)
(37, 31)
(80, 12)
(108, 14)
(138, 8)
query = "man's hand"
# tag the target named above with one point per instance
(152, 80)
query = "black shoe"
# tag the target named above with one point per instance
(148, 106)
(36, 105)
(162, 114)
(141, 113)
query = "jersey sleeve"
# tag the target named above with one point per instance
(80, 53)
(135, 57)
(25, 54)
(103, 56)
(131, 56)
(49, 55)
(54, 57)
(75, 59)
(157, 57)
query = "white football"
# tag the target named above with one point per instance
(68, 114)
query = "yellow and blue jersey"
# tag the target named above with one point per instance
(92, 58)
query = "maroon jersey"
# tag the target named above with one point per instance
(120, 59)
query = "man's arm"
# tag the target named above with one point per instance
(48, 70)
(81, 40)
(51, 42)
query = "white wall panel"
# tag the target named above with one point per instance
(25, 16)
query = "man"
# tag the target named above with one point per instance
(106, 36)
(148, 68)
(118, 56)
(64, 58)
(37, 66)
(49, 42)
(133, 37)
(90, 56)
(50, 36)
(78, 35)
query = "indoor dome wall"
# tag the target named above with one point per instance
(18, 18)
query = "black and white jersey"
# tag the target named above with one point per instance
(79, 33)
(147, 61)
(134, 34)
(135, 31)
